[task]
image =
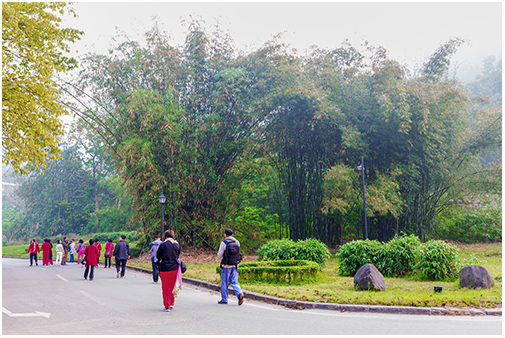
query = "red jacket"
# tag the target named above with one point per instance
(91, 255)
(99, 247)
(45, 247)
(34, 248)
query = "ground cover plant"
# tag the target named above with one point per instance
(329, 287)
(291, 271)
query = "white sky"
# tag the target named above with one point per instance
(409, 31)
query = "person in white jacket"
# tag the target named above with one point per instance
(59, 252)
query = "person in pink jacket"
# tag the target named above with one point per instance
(109, 248)
(80, 250)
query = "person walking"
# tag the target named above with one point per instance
(72, 250)
(109, 247)
(99, 247)
(81, 247)
(121, 254)
(46, 248)
(229, 252)
(154, 260)
(50, 251)
(91, 254)
(66, 248)
(170, 270)
(59, 253)
(33, 250)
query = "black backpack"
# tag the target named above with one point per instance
(232, 255)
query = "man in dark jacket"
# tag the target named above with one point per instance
(121, 254)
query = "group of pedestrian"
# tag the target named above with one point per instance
(166, 264)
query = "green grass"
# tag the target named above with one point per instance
(332, 288)
(16, 251)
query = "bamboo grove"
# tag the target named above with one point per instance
(265, 142)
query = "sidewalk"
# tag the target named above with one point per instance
(295, 304)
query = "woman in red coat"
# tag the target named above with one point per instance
(46, 248)
(91, 255)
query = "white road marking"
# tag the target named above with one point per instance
(63, 279)
(35, 314)
(90, 297)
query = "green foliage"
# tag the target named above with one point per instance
(353, 255)
(290, 271)
(401, 256)
(287, 249)
(479, 223)
(33, 47)
(398, 256)
(437, 260)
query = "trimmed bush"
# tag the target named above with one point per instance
(437, 260)
(287, 249)
(291, 271)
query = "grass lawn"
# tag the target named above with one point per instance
(332, 288)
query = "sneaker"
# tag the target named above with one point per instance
(118, 274)
(171, 307)
(155, 282)
(241, 299)
(221, 302)
(166, 309)
(91, 279)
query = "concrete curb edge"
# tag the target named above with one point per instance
(296, 304)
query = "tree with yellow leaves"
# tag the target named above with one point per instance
(33, 47)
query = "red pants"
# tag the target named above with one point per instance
(168, 279)
(45, 258)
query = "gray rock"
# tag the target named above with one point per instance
(475, 276)
(369, 278)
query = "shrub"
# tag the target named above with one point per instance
(290, 271)
(287, 249)
(355, 254)
(398, 256)
(478, 224)
(437, 260)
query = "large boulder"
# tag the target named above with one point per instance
(475, 276)
(369, 278)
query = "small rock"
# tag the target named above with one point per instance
(475, 276)
(369, 278)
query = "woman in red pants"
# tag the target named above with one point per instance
(168, 258)
(46, 249)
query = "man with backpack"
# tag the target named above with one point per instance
(229, 252)
(154, 260)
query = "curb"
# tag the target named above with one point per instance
(299, 305)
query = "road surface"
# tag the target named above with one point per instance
(57, 300)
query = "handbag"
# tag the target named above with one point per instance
(183, 266)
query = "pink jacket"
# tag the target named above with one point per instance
(81, 248)
(109, 247)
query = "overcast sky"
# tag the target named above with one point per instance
(409, 31)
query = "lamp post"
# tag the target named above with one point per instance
(162, 200)
(361, 168)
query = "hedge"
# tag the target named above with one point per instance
(291, 271)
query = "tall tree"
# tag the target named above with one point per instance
(33, 47)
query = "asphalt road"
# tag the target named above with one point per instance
(57, 300)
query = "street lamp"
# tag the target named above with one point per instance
(361, 168)
(162, 200)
